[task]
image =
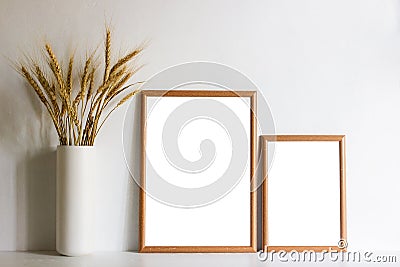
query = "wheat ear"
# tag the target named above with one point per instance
(41, 96)
(107, 55)
(125, 59)
(84, 81)
(69, 75)
(47, 88)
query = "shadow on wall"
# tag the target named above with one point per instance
(27, 139)
(36, 196)
(132, 144)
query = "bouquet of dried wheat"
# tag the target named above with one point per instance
(78, 114)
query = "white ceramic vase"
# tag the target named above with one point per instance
(74, 214)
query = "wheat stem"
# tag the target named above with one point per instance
(121, 102)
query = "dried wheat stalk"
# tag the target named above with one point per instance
(78, 116)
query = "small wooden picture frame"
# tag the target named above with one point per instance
(304, 193)
(180, 209)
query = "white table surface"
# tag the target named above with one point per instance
(131, 259)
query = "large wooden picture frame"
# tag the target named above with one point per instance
(166, 227)
(277, 199)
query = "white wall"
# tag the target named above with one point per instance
(324, 66)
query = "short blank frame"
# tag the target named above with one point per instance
(342, 239)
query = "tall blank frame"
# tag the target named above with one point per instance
(300, 163)
(164, 228)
